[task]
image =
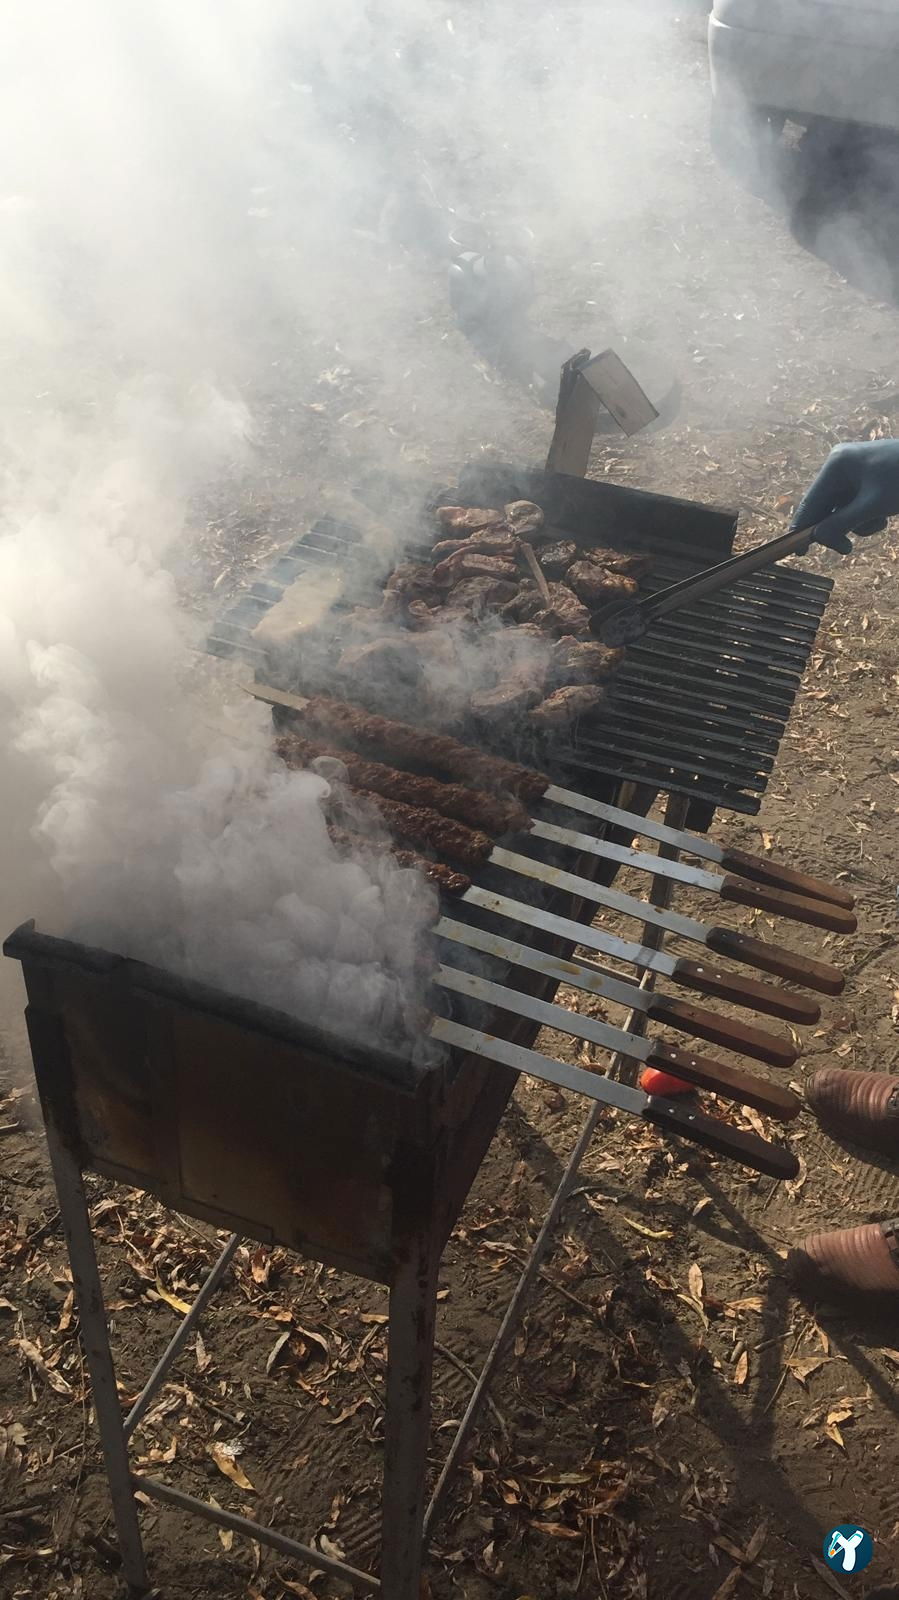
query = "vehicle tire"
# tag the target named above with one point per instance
(745, 140)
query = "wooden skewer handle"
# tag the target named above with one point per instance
(781, 877)
(731, 1082)
(778, 1050)
(684, 1122)
(816, 913)
(773, 958)
(706, 977)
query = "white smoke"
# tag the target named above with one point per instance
(214, 277)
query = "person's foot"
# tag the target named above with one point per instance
(854, 1261)
(860, 1106)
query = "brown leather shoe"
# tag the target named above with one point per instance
(855, 1261)
(861, 1106)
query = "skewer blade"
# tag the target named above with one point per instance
(544, 1012)
(701, 976)
(755, 868)
(778, 1050)
(679, 1120)
(795, 908)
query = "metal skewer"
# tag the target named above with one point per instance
(730, 1082)
(771, 958)
(816, 913)
(778, 1050)
(704, 977)
(681, 1120)
(736, 861)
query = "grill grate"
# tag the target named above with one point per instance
(702, 701)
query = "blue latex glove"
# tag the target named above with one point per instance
(856, 491)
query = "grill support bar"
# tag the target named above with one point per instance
(176, 1343)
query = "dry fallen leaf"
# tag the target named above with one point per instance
(728, 1587)
(378, 1317)
(33, 1355)
(834, 1433)
(260, 1264)
(350, 1411)
(276, 1349)
(696, 1282)
(316, 1338)
(741, 1371)
(660, 1411)
(556, 1530)
(204, 1359)
(65, 1315)
(648, 1233)
(802, 1367)
(756, 1543)
(224, 1457)
(751, 1302)
(171, 1299)
(329, 1547)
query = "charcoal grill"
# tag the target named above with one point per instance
(277, 1132)
(700, 705)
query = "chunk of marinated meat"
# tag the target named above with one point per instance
(556, 558)
(463, 520)
(524, 604)
(561, 709)
(382, 661)
(519, 687)
(413, 580)
(492, 542)
(524, 518)
(593, 584)
(581, 661)
(419, 615)
(629, 566)
(565, 613)
(468, 564)
(477, 595)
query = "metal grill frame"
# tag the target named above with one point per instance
(749, 646)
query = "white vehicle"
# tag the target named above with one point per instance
(830, 62)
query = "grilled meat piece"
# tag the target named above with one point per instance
(566, 614)
(556, 558)
(524, 605)
(443, 877)
(468, 564)
(628, 566)
(382, 661)
(490, 542)
(561, 709)
(419, 747)
(477, 595)
(413, 580)
(421, 825)
(509, 697)
(463, 520)
(524, 518)
(581, 661)
(494, 813)
(592, 583)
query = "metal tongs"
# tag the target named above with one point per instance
(626, 621)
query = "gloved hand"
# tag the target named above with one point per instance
(856, 491)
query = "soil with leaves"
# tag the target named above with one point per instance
(670, 1423)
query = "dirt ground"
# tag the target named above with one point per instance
(672, 1423)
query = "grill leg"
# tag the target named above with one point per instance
(410, 1357)
(95, 1338)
